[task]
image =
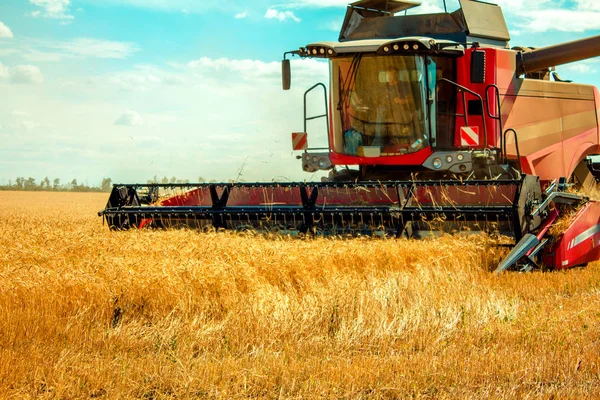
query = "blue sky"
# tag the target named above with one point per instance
(129, 89)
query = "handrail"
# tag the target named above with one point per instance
(504, 155)
(462, 91)
(499, 116)
(326, 115)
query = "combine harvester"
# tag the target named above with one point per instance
(433, 123)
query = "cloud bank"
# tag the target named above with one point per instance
(281, 15)
(57, 9)
(5, 31)
(129, 118)
(23, 74)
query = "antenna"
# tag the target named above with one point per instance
(445, 10)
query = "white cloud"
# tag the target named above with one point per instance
(5, 31)
(333, 25)
(21, 74)
(191, 6)
(98, 48)
(547, 20)
(40, 50)
(22, 121)
(41, 56)
(551, 15)
(29, 125)
(26, 74)
(583, 67)
(241, 15)
(588, 5)
(527, 16)
(253, 69)
(58, 9)
(143, 78)
(280, 15)
(5, 52)
(18, 113)
(129, 118)
(319, 3)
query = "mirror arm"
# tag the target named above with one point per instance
(293, 53)
(286, 73)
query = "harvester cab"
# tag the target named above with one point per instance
(434, 124)
(431, 95)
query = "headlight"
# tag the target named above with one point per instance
(314, 159)
(460, 157)
(448, 158)
(322, 163)
(437, 163)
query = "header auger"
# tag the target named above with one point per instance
(433, 124)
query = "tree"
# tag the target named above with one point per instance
(45, 183)
(164, 180)
(201, 179)
(56, 184)
(30, 183)
(106, 185)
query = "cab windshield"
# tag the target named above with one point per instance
(381, 105)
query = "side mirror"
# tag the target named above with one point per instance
(286, 74)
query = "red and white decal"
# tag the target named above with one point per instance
(582, 237)
(299, 141)
(469, 136)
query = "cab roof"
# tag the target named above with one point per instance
(388, 6)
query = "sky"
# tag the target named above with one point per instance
(131, 89)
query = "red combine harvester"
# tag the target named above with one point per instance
(433, 123)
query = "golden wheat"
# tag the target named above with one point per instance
(85, 312)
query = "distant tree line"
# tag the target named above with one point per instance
(165, 180)
(55, 185)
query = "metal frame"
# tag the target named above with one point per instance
(124, 211)
(326, 115)
(462, 90)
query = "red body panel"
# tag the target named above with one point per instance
(580, 243)
(463, 78)
(417, 158)
(556, 122)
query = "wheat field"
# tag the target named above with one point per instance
(90, 313)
